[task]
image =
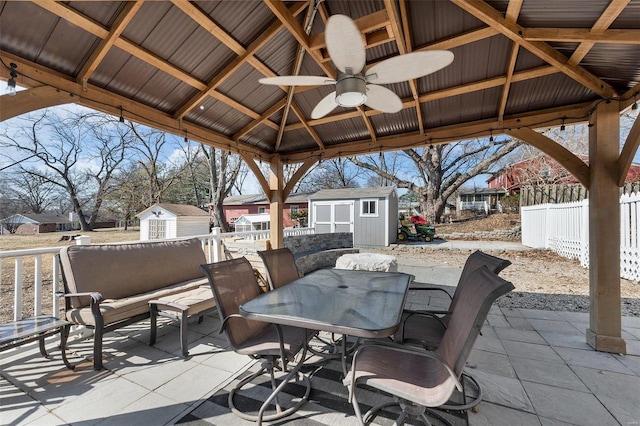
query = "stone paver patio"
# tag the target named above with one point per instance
(535, 368)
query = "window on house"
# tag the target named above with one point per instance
(369, 208)
(294, 209)
(157, 229)
(262, 209)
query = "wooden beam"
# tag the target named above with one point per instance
(513, 10)
(562, 155)
(288, 20)
(628, 152)
(513, 31)
(579, 35)
(605, 20)
(507, 84)
(440, 94)
(445, 134)
(366, 24)
(102, 100)
(124, 18)
(245, 55)
(263, 118)
(304, 123)
(299, 174)
(460, 39)
(262, 181)
(276, 205)
(25, 101)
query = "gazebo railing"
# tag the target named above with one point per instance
(43, 270)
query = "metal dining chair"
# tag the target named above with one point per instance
(234, 283)
(280, 265)
(420, 379)
(426, 327)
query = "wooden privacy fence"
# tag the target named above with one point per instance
(564, 229)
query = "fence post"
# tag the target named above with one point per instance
(216, 243)
(83, 240)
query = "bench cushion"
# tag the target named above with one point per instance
(114, 310)
(120, 271)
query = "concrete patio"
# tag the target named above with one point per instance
(535, 368)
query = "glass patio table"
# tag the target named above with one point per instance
(352, 303)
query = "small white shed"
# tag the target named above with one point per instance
(253, 222)
(162, 221)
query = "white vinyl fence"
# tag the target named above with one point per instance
(564, 228)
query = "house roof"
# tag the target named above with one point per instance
(192, 68)
(352, 193)
(242, 200)
(483, 191)
(40, 218)
(176, 209)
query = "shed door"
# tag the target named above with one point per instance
(336, 216)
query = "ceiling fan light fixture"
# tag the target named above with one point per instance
(351, 90)
(351, 99)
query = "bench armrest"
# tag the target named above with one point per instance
(94, 295)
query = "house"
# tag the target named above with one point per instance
(238, 205)
(39, 223)
(542, 170)
(162, 221)
(371, 214)
(480, 200)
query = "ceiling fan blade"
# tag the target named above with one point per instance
(382, 99)
(408, 67)
(297, 80)
(325, 106)
(344, 43)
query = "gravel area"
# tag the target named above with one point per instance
(542, 279)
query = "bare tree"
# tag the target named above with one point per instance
(439, 170)
(33, 192)
(79, 152)
(330, 174)
(224, 170)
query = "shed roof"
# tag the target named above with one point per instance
(176, 209)
(192, 68)
(353, 193)
(253, 218)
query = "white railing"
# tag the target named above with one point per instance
(51, 282)
(475, 206)
(564, 228)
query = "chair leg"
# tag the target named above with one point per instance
(153, 317)
(64, 335)
(280, 412)
(466, 405)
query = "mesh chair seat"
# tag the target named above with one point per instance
(280, 265)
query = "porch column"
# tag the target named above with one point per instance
(276, 189)
(605, 321)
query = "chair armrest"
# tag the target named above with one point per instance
(432, 289)
(350, 383)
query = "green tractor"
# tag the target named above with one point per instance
(415, 229)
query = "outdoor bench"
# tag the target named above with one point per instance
(109, 286)
(318, 251)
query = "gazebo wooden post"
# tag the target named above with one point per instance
(605, 322)
(276, 200)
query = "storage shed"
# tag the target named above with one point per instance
(371, 214)
(162, 221)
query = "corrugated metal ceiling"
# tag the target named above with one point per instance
(167, 61)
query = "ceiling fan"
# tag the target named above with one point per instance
(355, 85)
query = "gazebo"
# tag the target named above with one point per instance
(193, 69)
